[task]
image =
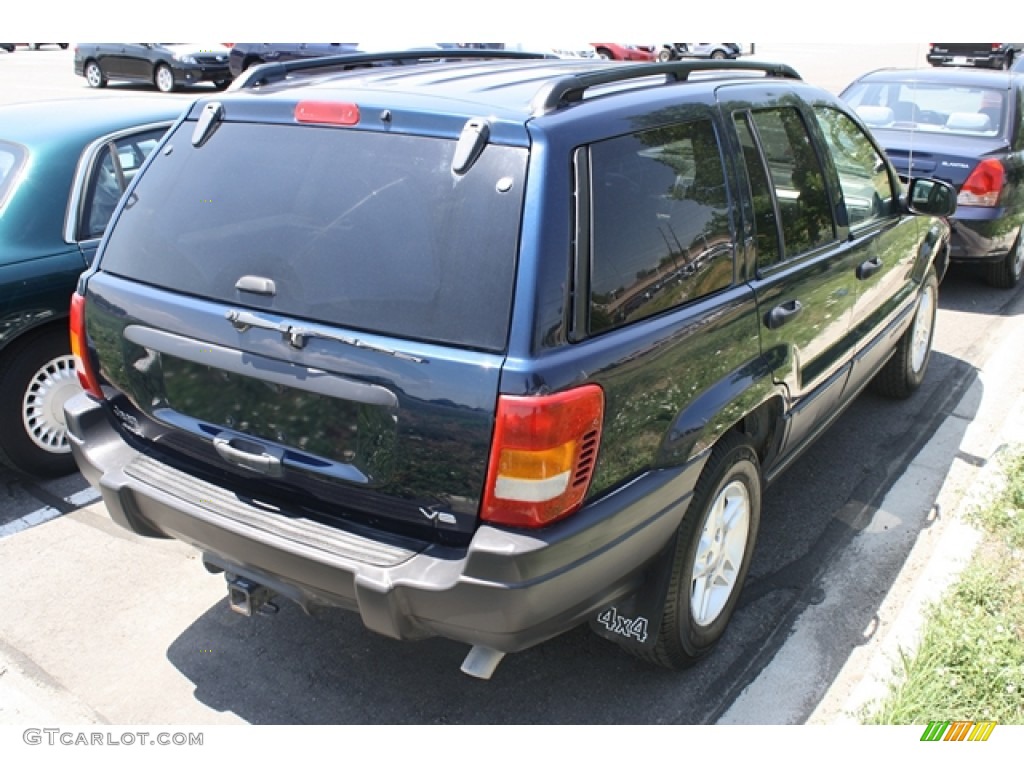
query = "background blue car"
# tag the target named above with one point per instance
(961, 125)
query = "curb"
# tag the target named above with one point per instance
(942, 552)
(835, 665)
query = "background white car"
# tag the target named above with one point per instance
(568, 51)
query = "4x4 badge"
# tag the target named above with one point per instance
(621, 625)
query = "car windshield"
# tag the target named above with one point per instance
(939, 108)
(12, 157)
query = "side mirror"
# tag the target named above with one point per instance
(931, 197)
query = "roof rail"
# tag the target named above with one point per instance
(571, 88)
(265, 74)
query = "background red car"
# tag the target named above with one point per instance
(624, 52)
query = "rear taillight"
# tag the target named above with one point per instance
(542, 456)
(83, 366)
(983, 186)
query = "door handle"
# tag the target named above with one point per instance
(868, 268)
(782, 314)
(248, 454)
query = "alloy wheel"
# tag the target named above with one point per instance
(1018, 260)
(164, 79)
(922, 332)
(93, 75)
(720, 552)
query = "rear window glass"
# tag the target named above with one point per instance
(937, 108)
(363, 230)
(12, 156)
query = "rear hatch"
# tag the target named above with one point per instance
(315, 317)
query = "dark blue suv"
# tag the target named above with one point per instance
(486, 346)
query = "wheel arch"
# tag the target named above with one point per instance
(31, 328)
(748, 401)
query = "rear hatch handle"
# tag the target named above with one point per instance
(248, 454)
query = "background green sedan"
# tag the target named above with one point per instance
(63, 168)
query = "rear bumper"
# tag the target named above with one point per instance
(507, 590)
(995, 60)
(981, 234)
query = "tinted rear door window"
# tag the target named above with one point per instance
(794, 169)
(363, 230)
(662, 234)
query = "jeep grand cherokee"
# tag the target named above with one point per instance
(488, 347)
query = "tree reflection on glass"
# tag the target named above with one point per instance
(662, 233)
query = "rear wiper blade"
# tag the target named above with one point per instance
(297, 337)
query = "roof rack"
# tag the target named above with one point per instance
(571, 88)
(274, 72)
(560, 92)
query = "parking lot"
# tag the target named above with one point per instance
(102, 626)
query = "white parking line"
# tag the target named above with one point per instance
(32, 518)
(78, 499)
(83, 497)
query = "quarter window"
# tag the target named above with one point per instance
(661, 232)
(12, 158)
(115, 166)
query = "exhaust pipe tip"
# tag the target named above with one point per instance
(481, 662)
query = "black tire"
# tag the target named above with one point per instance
(221, 85)
(728, 499)
(719, 54)
(1006, 273)
(903, 373)
(36, 378)
(62, 46)
(665, 55)
(94, 75)
(604, 53)
(163, 79)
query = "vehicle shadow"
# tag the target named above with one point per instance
(291, 668)
(964, 289)
(196, 89)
